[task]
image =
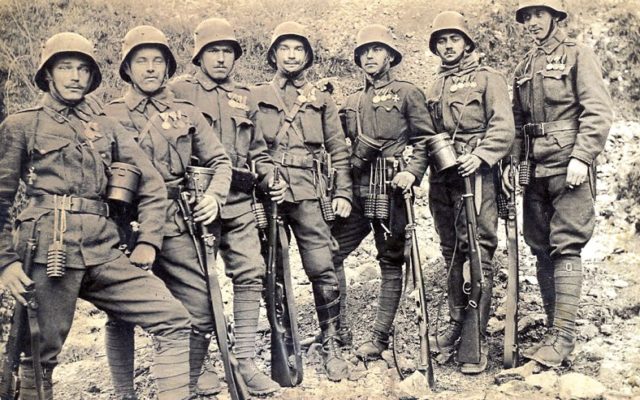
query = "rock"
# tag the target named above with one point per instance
(610, 293)
(619, 283)
(416, 385)
(357, 372)
(494, 326)
(575, 386)
(366, 273)
(589, 332)
(531, 279)
(519, 373)
(546, 381)
(531, 321)
(387, 356)
(594, 350)
(515, 388)
(606, 329)
(377, 367)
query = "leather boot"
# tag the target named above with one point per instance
(373, 348)
(444, 342)
(246, 313)
(327, 299)
(202, 379)
(560, 342)
(171, 365)
(27, 376)
(119, 345)
(484, 310)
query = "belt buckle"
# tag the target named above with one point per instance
(107, 209)
(283, 161)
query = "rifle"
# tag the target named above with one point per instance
(507, 211)
(469, 350)
(9, 386)
(286, 356)
(425, 366)
(204, 243)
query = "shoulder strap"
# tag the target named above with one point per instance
(288, 120)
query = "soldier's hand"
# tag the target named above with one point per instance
(577, 172)
(206, 210)
(403, 180)
(14, 279)
(506, 182)
(341, 206)
(468, 164)
(277, 190)
(143, 256)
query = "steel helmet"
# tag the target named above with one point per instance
(376, 34)
(210, 31)
(554, 5)
(449, 21)
(145, 35)
(66, 42)
(287, 29)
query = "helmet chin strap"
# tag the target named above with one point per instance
(55, 93)
(383, 71)
(145, 93)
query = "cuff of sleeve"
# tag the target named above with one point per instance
(263, 184)
(345, 194)
(150, 239)
(485, 156)
(350, 200)
(7, 260)
(582, 156)
(417, 172)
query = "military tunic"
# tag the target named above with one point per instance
(66, 151)
(559, 87)
(227, 107)
(170, 131)
(473, 101)
(316, 127)
(393, 113)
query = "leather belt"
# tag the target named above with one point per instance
(287, 159)
(72, 204)
(544, 128)
(173, 192)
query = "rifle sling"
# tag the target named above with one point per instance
(34, 333)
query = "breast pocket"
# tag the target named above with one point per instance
(180, 150)
(390, 122)
(348, 118)
(558, 87)
(268, 121)
(49, 154)
(243, 127)
(523, 90)
(311, 120)
(467, 110)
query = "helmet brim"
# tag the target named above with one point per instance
(276, 42)
(558, 13)
(434, 36)
(237, 49)
(397, 56)
(171, 60)
(40, 78)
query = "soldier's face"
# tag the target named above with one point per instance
(375, 58)
(451, 46)
(147, 69)
(291, 55)
(537, 21)
(71, 76)
(217, 60)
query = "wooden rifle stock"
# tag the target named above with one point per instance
(286, 357)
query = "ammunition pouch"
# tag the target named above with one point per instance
(365, 151)
(242, 180)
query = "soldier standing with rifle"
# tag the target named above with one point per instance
(299, 121)
(563, 114)
(171, 132)
(381, 120)
(468, 102)
(63, 150)
(226, 105)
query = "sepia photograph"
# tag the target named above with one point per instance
(322, 199)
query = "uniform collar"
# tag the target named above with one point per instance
(379, 82)
(468, 63)
(298, 80)
(555, 39)
(138, 101)
(82, 110)
(209, 84)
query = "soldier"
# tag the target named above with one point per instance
(299, 122)
(563, 113)
(225, 104)
(171, 132)
(381, 119)
(62, 150)
(471, 102)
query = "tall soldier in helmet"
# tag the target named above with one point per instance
(226, 105)
(381, 119)
(470, 102)
(170, 132)
(62, 149)
(300, 124)
(563, 114)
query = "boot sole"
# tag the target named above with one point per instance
(544, 362)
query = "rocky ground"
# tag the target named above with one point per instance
(606, 363)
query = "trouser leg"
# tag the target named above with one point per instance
(119, 345)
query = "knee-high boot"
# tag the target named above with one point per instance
(327, 299)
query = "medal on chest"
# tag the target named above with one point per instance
(237, 101)
(556, 63)
(306, 95)
(462, 82)
(384, 94)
